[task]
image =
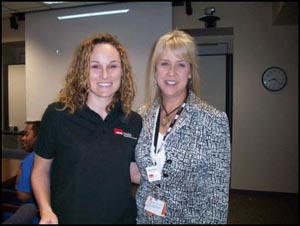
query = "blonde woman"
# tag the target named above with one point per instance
(87, 139)
(184, 150)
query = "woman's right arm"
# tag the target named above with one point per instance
(40, 181)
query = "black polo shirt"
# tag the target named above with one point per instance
(91, 158)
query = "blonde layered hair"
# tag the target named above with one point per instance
(77, 85)
(184, 47)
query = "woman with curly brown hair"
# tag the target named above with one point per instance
(87, 140)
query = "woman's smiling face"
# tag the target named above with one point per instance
(172, 74)
(105, 71)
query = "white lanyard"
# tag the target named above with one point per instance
(157, 147)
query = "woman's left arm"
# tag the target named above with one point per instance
(220, 161)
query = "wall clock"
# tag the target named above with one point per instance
(274, 78)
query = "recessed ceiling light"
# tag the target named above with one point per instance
(52, 3)
(92, 14)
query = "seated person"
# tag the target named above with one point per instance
(23, 183)
(23, 188)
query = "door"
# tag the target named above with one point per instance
(215, 69)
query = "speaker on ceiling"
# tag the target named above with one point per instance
(13, 22)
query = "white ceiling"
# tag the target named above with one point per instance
(15, 8)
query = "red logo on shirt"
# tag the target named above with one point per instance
(118, 131)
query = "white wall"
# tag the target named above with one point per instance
(265, 124)
(50, 44)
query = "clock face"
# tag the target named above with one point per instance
(274, 78)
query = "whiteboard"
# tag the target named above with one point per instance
(16, 96)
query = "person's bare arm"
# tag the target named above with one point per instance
(21, 195)
(134, 173)
(40, 180)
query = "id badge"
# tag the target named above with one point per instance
(155, 206)
(153, 173)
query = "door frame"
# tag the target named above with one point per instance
(215, 36)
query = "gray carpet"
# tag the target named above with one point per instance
(248, 207)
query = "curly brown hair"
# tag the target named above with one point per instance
(77, 85)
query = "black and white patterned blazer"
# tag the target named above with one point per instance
(196, 175)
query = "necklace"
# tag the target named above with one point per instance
(165, 120)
